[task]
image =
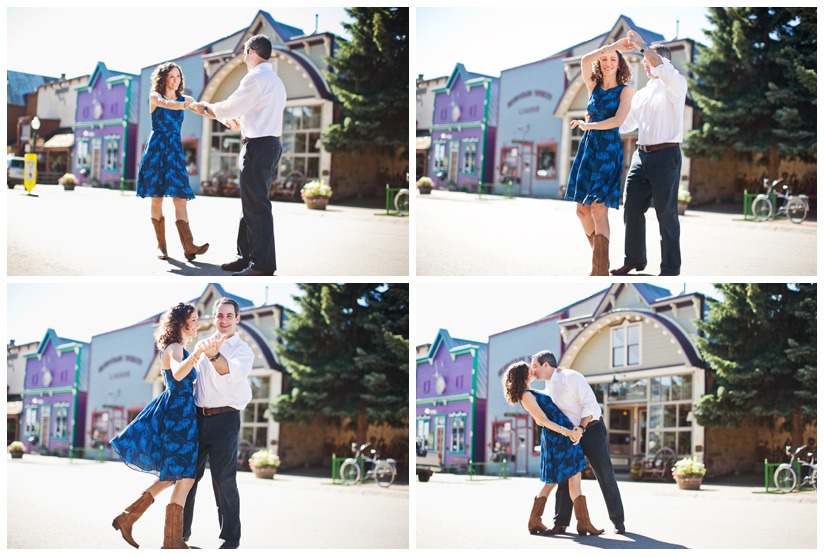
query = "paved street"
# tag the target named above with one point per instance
(54, 504)
(460, 234)
(100, 232)
(453, 512)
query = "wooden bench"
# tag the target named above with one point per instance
(288, 189)
(659, 466)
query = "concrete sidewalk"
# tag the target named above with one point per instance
(492, 514)
(57, 504)
(101, 232)
(462, 234)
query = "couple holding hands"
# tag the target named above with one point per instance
(657, 110)
(256, 110)
(572, 428)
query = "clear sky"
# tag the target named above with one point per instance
(476, 311)
(55, 41)
(81, 310)
(491, 39)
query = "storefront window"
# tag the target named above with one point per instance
(670, 406)
(627, 390)
(470, 157)
(61, 420)
(423, 431)
(31, 427)
(501, 444)
(546, 161)
(82, 151)
(509, 160)
(301, 142)
(625, 342)
(254, 425)
(439, 156)
(112, 153)
(457, 429)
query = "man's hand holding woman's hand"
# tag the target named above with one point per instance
(576, 435)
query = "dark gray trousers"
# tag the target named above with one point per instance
(256, 232)
(653, 176)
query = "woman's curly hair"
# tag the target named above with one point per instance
(159, 78)
(623, 74)
(514, 381)
(171, 322)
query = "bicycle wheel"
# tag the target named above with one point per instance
(762, 208)
(350, 472)
(813, 478)
(797, 210)
(384, 474)
(402, 201)
(785, 478)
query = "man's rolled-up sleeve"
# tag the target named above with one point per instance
(240, 365)
(587, 399)
(674, 82)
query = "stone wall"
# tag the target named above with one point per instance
(725, 180)
(314, 444)
(365, 175)
(744, 449)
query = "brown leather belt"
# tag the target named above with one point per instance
(654, 148)
(591, 423)
(245, 140)
(215, 411)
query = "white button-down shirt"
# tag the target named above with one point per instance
(213, 390)
(572, 394)
(658, 108)
(258, 103)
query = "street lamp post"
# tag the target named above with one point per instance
(35, 124)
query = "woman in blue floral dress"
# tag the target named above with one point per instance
(561, 456)
(163, 439)
(162, 171)
(596, 173)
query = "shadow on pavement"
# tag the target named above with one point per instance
(183, 268)
(632, 541)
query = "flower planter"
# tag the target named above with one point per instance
(318, 203)
(68, 187)
(265, 472)
(425, 190)
(689, 482)
(682, 207)
(16, 454)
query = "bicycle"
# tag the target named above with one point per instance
(795, 206)
(383, 471)
(786, 477)
(402, 201)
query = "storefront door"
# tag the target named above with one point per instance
(453, 170)
(626, 432)
(522, 443)
(526, 169)
(45, 426)
(440, 429)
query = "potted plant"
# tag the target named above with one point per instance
(688, 473)
(316, 194)
(17, 449)
(68, 181)
(264, 463)
(683, 198)
(425, 185)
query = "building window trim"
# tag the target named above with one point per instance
(554, 147)
(457, 428)
(626, 348)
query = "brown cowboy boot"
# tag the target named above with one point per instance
(583, 526)
(125, 520)
(534, 524)
(190, 250)
(160, 233)
(590, 238)
(601, 254)
(173, 527)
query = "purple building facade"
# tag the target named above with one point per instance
(106, 129)
(464, 131)
(451, 399)
(54, 395)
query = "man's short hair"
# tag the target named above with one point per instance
(261, 45)
(221, 301)
(546, 357)
(662, 50)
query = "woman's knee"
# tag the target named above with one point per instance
(582, 210)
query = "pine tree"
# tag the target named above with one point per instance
(370, 77)
(346, 354)
(761, 343)
(756, 85)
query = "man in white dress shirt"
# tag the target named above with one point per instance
(256, 109)
(658, 111)
(222, 391)
(572, 394)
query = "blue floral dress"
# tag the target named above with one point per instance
(560, 458)
(163, 439)
(162, 171)
(597, 169)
